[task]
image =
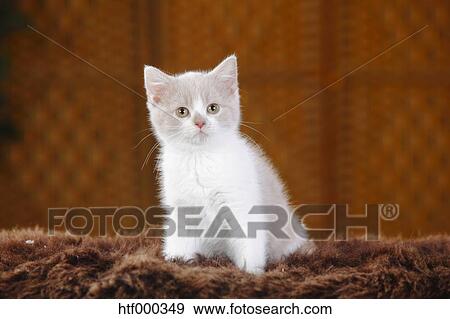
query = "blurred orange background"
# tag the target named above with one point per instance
(379, 135)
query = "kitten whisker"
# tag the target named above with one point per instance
(250, 139)
(144, 130)
(257, 131)
(256, 123)
(154, 147)
(149, 154)
(142, 140)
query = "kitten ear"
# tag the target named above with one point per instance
(156, 83)
(226, 72)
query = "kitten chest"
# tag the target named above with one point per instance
(190, 179)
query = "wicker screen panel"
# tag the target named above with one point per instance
(392, 129)
(79, 127)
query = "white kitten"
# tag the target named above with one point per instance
(204, 161)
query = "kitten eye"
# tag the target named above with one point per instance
(213, 108)
(182, 111)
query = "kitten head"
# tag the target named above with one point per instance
(194, 108)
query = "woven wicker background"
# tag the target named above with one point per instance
(379, 135)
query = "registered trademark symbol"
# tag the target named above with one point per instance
(389, 211)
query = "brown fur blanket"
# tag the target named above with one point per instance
(34, 265)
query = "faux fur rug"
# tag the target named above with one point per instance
(33, 265)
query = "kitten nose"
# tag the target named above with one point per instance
(200, 123)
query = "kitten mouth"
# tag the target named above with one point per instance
(201, 133)
(199, 137)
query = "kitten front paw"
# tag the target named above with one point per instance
(179, 256)
(249, 266)
(254, 270)
(175, 248)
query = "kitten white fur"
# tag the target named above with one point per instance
(210, 164)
